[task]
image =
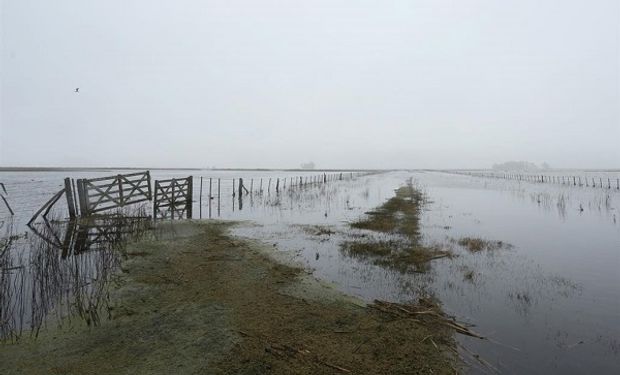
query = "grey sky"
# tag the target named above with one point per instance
(382, 84)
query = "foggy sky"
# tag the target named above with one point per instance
(346, 84)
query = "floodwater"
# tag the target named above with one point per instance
(550, 303)
(54, 269)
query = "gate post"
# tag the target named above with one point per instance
(120, 190)
(173, 203)
(69, 196)
(82, 197)
(190, 196)
(155, 202)
(148, 181)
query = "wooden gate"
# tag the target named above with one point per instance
(173, 198)
(104, 193)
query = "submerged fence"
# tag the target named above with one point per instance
(173, 197)
(587, 181)
(251, 187)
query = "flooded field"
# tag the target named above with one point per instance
(533, 267)
(56, 269)
(548, 300)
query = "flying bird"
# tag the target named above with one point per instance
(77, 89)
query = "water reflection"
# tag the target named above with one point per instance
(61, 269)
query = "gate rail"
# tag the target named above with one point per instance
(104, 193)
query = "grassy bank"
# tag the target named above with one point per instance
(197, 301)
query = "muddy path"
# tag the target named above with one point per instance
(195, 300)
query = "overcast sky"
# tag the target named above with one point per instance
(346, 84)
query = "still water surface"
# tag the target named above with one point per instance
(549, 304)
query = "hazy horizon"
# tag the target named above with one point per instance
(345, 84)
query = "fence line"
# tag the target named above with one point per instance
(600, 182)
(241, 187)
(86, 197)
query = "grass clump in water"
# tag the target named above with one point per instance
(399, 255)
(475, 245)
(400, 214)
(400, 217)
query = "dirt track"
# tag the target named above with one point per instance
(201, 302)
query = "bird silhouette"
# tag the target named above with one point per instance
(77, 89)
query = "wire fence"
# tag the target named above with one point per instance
(606, 182)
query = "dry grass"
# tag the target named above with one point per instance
(400, 217)
(398, 255)
(202, 302)
(400, 214)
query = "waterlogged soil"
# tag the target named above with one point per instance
(198, 301)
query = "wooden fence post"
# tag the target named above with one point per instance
(210, 196)
(74, 197)
(155, 201)
(200, 199)
(148, 180)
(190, 196)
(120, 190)
(82, 198)
(69, 196)
(173, 204)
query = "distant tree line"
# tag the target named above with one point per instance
(309, 165)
